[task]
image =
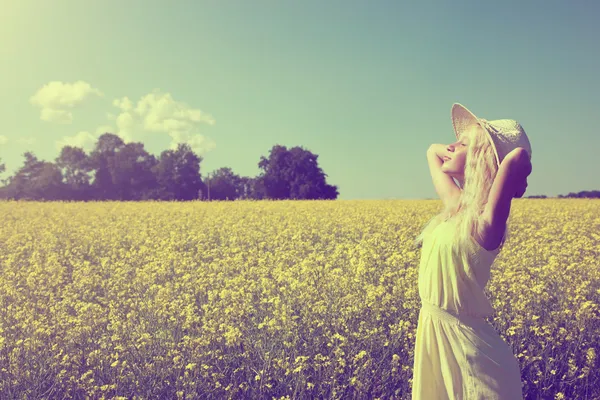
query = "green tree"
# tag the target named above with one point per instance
(178, 174)
(76, 169)
(36, 180)
(223, 184)
(294, 174)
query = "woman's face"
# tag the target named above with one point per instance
(456, 152)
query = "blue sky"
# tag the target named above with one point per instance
(366, 85)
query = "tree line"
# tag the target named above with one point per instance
(127, 172)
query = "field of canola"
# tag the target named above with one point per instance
(289, 299)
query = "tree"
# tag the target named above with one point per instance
(36, 180)
(257, 189)
(251, 188)
(120, 171)
(48, 184)
(178, 174)
(294, 174)
(107, 146)
(131, 171)
(2, 169)
(75, 167)
(277, 173)
(225, 185)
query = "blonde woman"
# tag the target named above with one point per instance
(458, 354)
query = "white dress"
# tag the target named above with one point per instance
(458, 354)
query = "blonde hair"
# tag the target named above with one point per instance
(480, 171)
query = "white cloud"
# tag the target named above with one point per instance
(56, 99)
(59, 116)
(103, 129)
(126, 127)
(124, 103)
(160, 113)
(200, 144)
(83, 139)
(155, 112)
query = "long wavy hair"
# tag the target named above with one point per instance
(479, 174)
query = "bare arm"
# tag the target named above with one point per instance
(444, 185)
(438, 149)
(523, 169)
(513, 170)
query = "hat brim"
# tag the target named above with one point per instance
(462, 119)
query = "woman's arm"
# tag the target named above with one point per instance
(439, 150)
(444, 185)
(523, 169)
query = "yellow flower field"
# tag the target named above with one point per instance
(287, 299)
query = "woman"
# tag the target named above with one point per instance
(458, 354)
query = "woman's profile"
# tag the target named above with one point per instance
(458, 354)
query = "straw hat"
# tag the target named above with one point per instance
(504, 134)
